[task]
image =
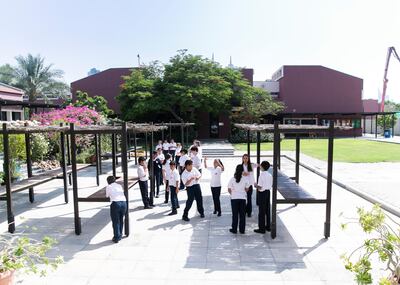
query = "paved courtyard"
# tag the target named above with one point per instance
(165, 250)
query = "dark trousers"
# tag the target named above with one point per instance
(158, 178)
(165, 152)
(194, 193)
(216, 193)
(181, 169)
(117, 211)
(238, 214)
(249, 205)
(166, 191)
(174, 198)
(144, 191)
(264, 210)
(172, 153)
(177, 159)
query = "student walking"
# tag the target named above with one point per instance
(172, 149)
(196, 158)
(156, 163)
(248, 174)
(264, 204)
(237, 188)
(178, 153)
(182, 160)
(190, 178)
(143, 174)
(165, 147)
(173, 180)
(215, 183)
(165, 173)
(118, 207)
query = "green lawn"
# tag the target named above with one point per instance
(345, 150)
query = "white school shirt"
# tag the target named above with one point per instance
(215, 176)
(178, 150)
(161, 157)
(172, 146)
(265, 181)
(165, 146)
(143, 174)
(166, 168)
(183, 159)
(238, 190)
(186, 175)
(196, 161)
(250, 177)
(115, 192)
(159, 146)
(174, 177)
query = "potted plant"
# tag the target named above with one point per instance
(25, 254)
(383, 242)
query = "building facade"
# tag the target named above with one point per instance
(9, 93)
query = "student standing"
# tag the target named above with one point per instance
(156, 163)
(166, 172)
(143, 174)
(190, 178)
(215, 183)
(196, 158)
(159, 145)
(165, 147)
(173, 180)
(178, 153)
(118, 207)
(237, 188)
(264, 204)
(172, 149)
(182, 160)
(248, 174)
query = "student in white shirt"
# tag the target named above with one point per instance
(173, 181)
(237, 188)
(159, 145)
(165, 147)
(190, 178)
(143, 174)
(118, 207)
(160, 155)
(165, 173)
(172, 148)
(196, 158)
(182, 160)
(248, 174)
(178, 153)
(215, 183)
(264, 204)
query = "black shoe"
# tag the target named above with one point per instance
(202, 216)
(242, 232)
(219, 214)
(215, 212)
(178, 207)
(165, 202)
(115, 240)
(259, 231)
(148, 207)
(156, 196)
(173, 213)
(249, 215)
(186, 219)
(268, 229)
(232, 231)
(151, 205)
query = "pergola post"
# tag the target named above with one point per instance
(77, 219)
(248, 143)
(376, 125)
(99, 152)
(68, 150)
(152, 180)
(124, 162)
(182, 136)
(393, 125)
(135, 146)
(384, 123)
(97, 155)
(64, 166)
(113, 154)
(275, 178)
(29, 163)
(187, 135)
(145, 145)
(170, 130)
(162, 133)
(297, 158)
(7, 179)
(258, 160)
(327, 230)
(364, 127)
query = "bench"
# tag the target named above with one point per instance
(39, 179)
(100, 195)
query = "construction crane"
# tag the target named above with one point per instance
(391, 50)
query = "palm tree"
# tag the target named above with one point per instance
(38, 79)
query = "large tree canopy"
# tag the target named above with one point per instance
(186, 85)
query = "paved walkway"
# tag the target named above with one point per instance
(166, 250)
(371, 137)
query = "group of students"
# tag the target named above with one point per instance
(180, 169)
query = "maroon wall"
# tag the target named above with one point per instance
(370, 105)
(106, 83)
(317, 89)
(248, 74)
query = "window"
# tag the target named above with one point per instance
(16, 116)
(3, 116)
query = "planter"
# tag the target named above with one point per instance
(7, 278)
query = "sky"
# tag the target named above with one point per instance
(75, 35)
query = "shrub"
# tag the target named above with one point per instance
(40, 147)
(240, 136)
(17, 153)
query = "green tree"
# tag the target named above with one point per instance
(97, 103)
(38, 79)
(386, 121)
(184, 86)
(7, 74)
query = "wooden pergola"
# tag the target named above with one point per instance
(289, 187)
(68, 134)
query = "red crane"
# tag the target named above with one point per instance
(391, 50)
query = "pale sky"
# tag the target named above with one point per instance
(76, 35)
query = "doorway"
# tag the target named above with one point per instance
(214, 126)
